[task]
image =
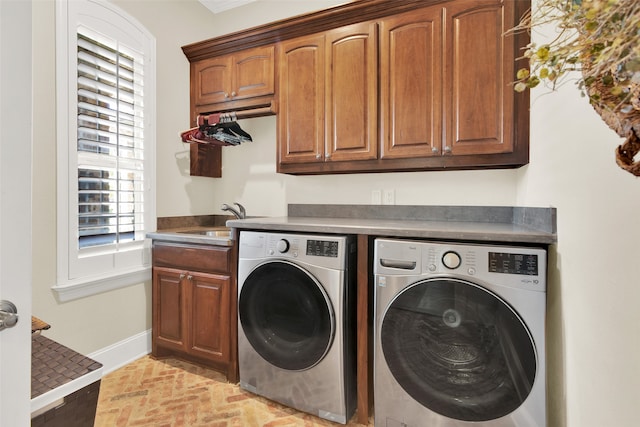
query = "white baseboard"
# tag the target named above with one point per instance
(123, 352)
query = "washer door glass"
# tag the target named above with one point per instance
(458, 349)
(286, 315)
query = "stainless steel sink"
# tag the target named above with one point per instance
(214, 232)
(209, 235)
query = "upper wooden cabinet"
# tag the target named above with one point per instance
(351, 97)
(480, 64)
(376, 86)
(445, 81)
(411, 46)
(446, 99)
(236, 81)
(301, 71)
(328, 96)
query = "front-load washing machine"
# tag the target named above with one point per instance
(459, 335)
(296, 313)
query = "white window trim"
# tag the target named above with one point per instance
(123, 268)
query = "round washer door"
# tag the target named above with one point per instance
(458, 349)
(286, 315)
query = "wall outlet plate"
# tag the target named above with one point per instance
(388, 197)
(376, 197)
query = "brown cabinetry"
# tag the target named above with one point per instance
(328, 96)
(480, 66)
(410, 84)
(375, 86)
(192, 304)
(301, 100)
(446, 101)
(240, 80)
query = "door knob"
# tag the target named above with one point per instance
(8, 314)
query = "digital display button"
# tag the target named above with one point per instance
(322, 248)
(508, 263)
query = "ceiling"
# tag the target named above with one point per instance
(217, 6)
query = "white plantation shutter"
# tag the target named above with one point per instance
(110, 142)
(106, 147)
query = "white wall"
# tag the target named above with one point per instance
(249, 177)
(593, 322)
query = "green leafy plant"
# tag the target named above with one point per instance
(601, 40)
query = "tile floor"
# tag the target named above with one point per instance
(174, 393)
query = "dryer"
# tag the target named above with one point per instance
(296, 315)
(459, 335)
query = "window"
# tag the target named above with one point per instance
(106, 141)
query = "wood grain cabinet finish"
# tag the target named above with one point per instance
(300, 120)
(240, 80)
(411, 70)
(192, 310)
(237, 81)
(351, 119)
(445, 97)
(480, 64)
(328, 96)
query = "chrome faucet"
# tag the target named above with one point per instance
(240, 213)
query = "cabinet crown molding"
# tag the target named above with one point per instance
(274, 32)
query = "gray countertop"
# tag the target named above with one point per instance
(469, 223)
(524, 225)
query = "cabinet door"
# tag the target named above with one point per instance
(301, 100)
(479, 100)
(410, 84)
(209, 325)
(242, 75)
(351, 111)
(169, 323)
(253, 73)
(211, 80)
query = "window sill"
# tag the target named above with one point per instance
(85, 287)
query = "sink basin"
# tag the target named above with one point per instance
(222, 232)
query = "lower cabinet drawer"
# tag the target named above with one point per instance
(192, 257)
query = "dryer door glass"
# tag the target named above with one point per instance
(458, 349)
(286, 316)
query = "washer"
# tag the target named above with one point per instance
(296, 315)
(459, 335)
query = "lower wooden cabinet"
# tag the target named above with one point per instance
(193, 306)
(192, 312)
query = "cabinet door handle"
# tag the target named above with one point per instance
(190, 277)
(182, 276)
(226, 95)
(233, 93)
(434, 150)
(447, 149)
(327, 156)
(318, 156)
